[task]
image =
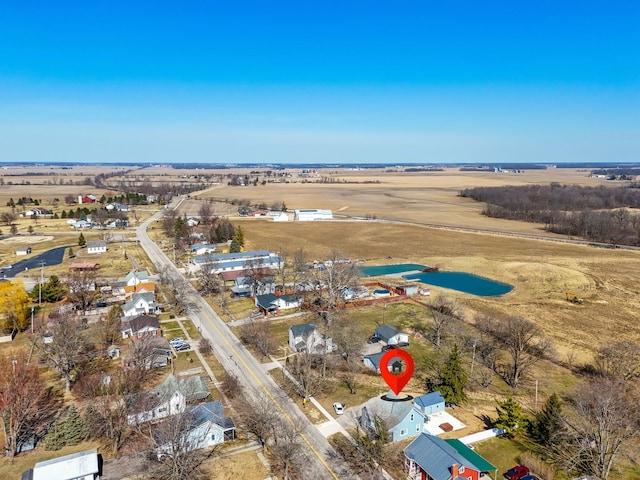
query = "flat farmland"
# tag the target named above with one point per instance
(541, 271)
(426, 198)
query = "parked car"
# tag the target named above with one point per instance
(181, 346)
(386, 348)
(101, 304)
(529, 477)
(373, 339)
(176, 340)
(339, 408)
(6, 267)
(517, 473)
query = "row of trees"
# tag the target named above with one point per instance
(598, 214)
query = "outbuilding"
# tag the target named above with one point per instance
(23, 251)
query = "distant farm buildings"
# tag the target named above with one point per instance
(310, 215)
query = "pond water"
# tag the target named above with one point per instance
(378, 270)
(463, 282)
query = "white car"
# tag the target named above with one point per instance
(339, 408)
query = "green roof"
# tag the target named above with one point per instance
(473, 457)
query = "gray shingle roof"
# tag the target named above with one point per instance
(302, 330)
(385, 332)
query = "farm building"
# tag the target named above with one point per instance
(309, 215)
(391, 335)
(23, 251)
(96, 246)
(82, 465)
(228, 262)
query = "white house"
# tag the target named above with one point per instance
(135, 277)
(202, 248)
(308, 215)
(392, 336)
(270, 303)
(207, 426)
(306, 338)
(168, 398)
(77, 466)
(96, 246)
(140, 303)
(140, 327)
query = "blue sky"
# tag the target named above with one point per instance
(348, 82)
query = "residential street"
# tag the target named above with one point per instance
(322, 461)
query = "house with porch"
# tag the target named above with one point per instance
(431, 458)
(202, 248)
(168, 398)
(306, 338)
(208, 426)
(140, 303)
(141, 326)
(271, 303)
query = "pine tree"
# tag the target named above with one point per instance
(63, 214)
(548, 421)
(54, 440)
(73, 427)
(71, 254)
(510, 417)
(453, 379)
(235, 246)
(81, 241)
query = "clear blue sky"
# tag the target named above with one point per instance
(351, 81)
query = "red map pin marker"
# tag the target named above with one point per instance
(396, 382)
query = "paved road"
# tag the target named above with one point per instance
(322, 461)
(50, 257)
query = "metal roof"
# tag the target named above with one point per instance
(435, 456)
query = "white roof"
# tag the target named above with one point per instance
(76, 465)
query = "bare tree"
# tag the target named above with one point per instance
(281, 269)
(619, 360)
(524, 342)
(443, 312)
(306, 369)
(64, 345)
(210, 283)
(333, 277)
(110, 326)
(81, 285)
(177, 447)
(299, 269)
(349, 341)
(259, 417)
(205, 214)
(26, 405)
(604, 417)
(106, 418)
(285, 455)
(259, 335)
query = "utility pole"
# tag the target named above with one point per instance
(41, 282)
(32, 309)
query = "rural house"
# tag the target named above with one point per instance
(85, 465)
(431, 457)
(270, 303)
(306, 338)
(140, 303)
(403, 419)
(135, 277)
(391, 335)
(140, 327)
(202, 248)
(207, 426)
(168, 398)
(372, 362)
(96, 246)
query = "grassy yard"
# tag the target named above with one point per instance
(191, 329)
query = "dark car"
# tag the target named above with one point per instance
(529, 477)
(101, 304)
(517, 473)
(386, 348)
(181, 346)
(374, 339)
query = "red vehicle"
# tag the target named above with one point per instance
(517, 472)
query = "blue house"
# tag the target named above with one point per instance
(403, 419)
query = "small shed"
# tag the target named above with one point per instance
(23, 251)
(407, 289)
(391, 335)
(96, 246)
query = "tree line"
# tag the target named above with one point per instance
(598, 214)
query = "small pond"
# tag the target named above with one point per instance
(463, 282)
(378, 270)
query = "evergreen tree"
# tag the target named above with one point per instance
(547, 422)
(510, 417)
(54, 440)
(453, 379)
(235, 246)
(81, 241)
(63, 214)
(73, 427)
(71, 254)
